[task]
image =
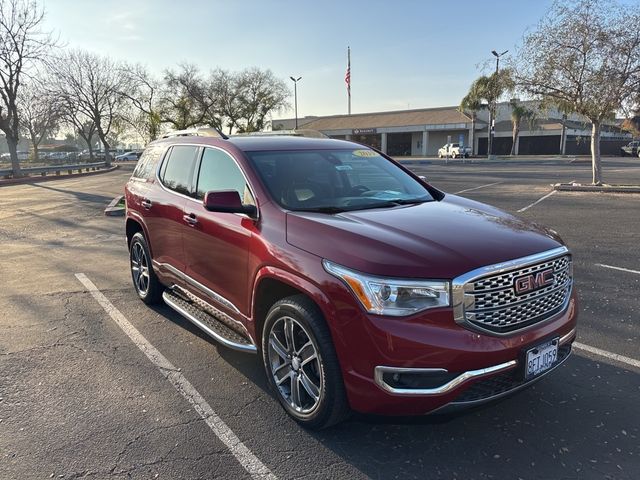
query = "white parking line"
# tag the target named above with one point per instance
(247, 459)
(603, 353)
(618, 268)
(537, 201)
(477, 188)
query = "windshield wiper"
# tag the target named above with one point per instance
(409, 201)
(392, 203)
(327, 209)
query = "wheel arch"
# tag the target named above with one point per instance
(272, 284)
(134, 225)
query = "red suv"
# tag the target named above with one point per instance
(361, 286)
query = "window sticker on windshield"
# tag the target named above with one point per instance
(343, 167)
(365, 153)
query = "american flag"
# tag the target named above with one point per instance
(347, 77)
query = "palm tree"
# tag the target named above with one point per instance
(485, 92)
(471, 103)
(519, 112)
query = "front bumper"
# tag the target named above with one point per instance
(475, 367)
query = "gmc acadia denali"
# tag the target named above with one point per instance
(361, 286)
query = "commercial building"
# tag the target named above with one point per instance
(422, 132)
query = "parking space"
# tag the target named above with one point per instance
(79, 399)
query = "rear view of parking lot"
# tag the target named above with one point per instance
(94, 384)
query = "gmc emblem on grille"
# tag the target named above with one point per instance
(532, 282)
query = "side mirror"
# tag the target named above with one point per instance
(227, 201)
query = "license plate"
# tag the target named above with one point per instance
(541, 358)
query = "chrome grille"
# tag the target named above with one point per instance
(491, 302)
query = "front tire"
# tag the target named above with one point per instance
(145, 281)
(301, 364)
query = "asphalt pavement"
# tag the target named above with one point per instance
(78, 399)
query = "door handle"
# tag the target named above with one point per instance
(146, 203)
(190, 219)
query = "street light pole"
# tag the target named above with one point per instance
(295, 95)
(493, 107)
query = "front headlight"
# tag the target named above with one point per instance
(392, 296)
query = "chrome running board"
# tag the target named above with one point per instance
(208, 323)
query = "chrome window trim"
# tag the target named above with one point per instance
(447, 387)
(459, 301)
(196, 173)
(210, 293)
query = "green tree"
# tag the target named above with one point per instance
(584, 55)
(485, 92)
(519, 112)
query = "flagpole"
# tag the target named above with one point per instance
(349, 70)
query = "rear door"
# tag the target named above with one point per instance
(216, 244)
(165, 206)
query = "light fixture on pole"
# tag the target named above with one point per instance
(295, 95)
(491, 113)
(498, 55)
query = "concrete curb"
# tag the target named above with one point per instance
(483, 161)
(23, 180)
(112, 210)
(577, 187)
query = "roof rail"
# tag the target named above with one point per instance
(196, 132)
(303, 132)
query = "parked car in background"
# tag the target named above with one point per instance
(133, 155)
(454, 150)
(22, 156)
(630, 149)
(358, 285)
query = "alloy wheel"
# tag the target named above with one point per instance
(296, 365)
(140, 268)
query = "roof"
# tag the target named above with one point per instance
(258, 143)
(400, 118)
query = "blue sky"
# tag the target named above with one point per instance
(405, 54)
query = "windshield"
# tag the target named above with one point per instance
(332, 181)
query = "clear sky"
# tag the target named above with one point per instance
(404, 54)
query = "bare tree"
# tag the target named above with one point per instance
(22, 46)
(260, 93)
(584, 55)
(142, 91)
(39, 113)
(227, 107)
(93, 84)
(184, 102)
(72, 117)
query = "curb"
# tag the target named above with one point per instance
(112, 210)
(576, 187)
(23, 180)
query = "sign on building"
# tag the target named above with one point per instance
(364, 131)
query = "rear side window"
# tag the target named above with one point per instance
(218, 171)
(147, 163)
(177, 170)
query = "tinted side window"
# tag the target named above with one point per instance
(147, 162)
(179, 168)
(218, 171)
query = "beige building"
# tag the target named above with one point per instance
(422, 132)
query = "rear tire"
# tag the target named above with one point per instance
(301, 363)
(145, 281)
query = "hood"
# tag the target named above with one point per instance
(439, 239)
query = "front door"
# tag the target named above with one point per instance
(217, 244)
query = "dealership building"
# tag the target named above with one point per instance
(422, 132)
